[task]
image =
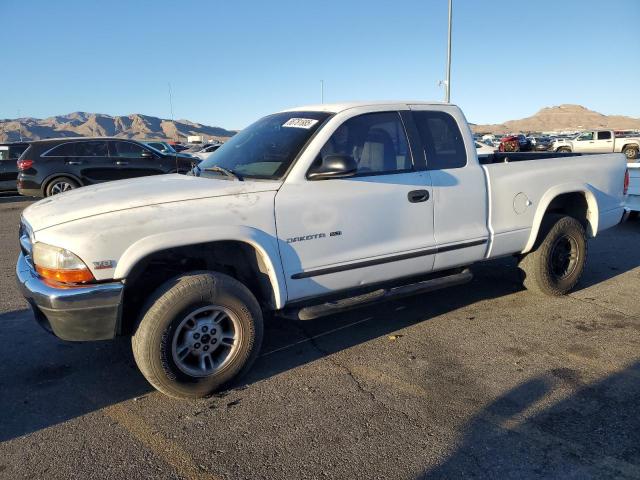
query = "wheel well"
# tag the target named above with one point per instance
(236, 259)
(573, 204)
(630, 145)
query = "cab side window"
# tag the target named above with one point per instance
(585, 137)
(91, 149)
(604, 135)
(127, 150)
(441, 139)
(377, 142)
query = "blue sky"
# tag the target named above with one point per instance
(233, 61)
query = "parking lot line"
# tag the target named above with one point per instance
(166, 450)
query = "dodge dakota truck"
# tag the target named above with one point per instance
(599, 141)
(304, 213)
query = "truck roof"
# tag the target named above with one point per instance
(339, 107)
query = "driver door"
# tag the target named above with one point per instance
(585, 143)
(342, 233)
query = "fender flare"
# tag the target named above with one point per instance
(265, 245)
(550, 195)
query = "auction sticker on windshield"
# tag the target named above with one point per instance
(300, 123)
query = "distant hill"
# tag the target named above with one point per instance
(561, 118)
(82, 124)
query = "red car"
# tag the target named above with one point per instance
(509, 144)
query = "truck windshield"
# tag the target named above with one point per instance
(266, 148)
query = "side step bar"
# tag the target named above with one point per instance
(383, 294)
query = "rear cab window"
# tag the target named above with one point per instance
(604, 135)
(441, 139)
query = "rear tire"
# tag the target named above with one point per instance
(564, 150)
(631, 153)
(199, 331)
(60, 185)
(556, 264)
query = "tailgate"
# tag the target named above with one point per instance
(634, 178)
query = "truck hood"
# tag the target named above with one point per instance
(134, 193)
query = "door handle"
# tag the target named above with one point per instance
(416, 196)
(119, 162)
(73, 163)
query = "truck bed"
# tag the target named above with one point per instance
(520, 190)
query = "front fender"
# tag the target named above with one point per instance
(553, 192)
(265, 244)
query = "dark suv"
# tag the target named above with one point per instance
(9, 154)
(48, 167)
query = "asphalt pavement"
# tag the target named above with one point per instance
(486, 380)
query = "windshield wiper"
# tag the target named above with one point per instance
(226, 171)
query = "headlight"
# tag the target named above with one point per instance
(59, 264)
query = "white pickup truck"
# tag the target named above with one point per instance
(599, 141)
(304, 213)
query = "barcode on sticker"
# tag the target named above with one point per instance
(300, 123)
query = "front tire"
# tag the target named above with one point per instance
(556, 264)
(199, 331)
(564, 150)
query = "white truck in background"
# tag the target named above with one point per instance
(599, 141)
(305, 213)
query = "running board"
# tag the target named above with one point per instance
(380, 295)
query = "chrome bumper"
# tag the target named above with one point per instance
(90, 312)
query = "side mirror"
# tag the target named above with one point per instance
(147, 154)
(334, 166)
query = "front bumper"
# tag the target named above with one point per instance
(88, 312)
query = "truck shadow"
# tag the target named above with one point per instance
(592, 433)
(45, 381)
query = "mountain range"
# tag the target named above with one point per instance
(82, 124)
(562, 118)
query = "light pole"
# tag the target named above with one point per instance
(447, 85)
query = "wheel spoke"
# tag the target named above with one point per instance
(218, 317)
(228, 340)
(183, 352)
(206, 363)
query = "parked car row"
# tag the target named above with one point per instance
(592, 141)
(46, 167)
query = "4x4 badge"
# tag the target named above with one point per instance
(104, 264)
